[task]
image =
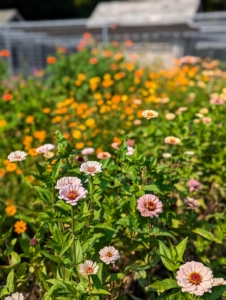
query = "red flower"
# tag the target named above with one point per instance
(51, 60)
(7, 97)
(4, 53)
(93, 60)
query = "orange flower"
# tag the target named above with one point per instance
(29, 119)
(51, 60)
(40, 135)
(93, 60)
(10, 210)
(87, 35)
(128, 43)
(20, 227)
(18, 171)
(90, 122)
(5, 53)
(32, 152)
(2, 172)
(79, 145)
(46, 110)
(7, 97)
(11, 167)
(57, 119)
(2, 123)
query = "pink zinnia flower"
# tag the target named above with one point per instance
(149, 206)
(17, 156)
(216, 101)
(88, 151)
(194, 185)
(130, 151)
(137, 122)
(195, 278)
(45, 148)
(91, 167)
(103, 155)
(219, 281)
(88, 268)
(191, 203)
(115, 145)
(66, 181)
(72, 193)
(206, 120)
(109, 255)
(15, 296)
(130, 143)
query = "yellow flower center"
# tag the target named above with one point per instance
(172, 140)
(150, 114)
(195, 278)
(109, 254)
(71, 195)
(91, 169)
(89, 270)
(150, 205)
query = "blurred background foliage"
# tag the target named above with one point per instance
(58, 9)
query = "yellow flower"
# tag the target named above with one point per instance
(76, 134)
(10, 210)
(29, 119)
(90, 122)
(2, 123)
(11, 167)
(57, 119)
(32, 152)
(9, 202)
(20, 227)
(81, 76)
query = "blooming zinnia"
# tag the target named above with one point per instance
(172, 140)
(45, 148)
(15, 296)
(88, 151)
(91, 167)
(109, 255)
(130, 151)
(189, 153)
(191, 203)
(194, 185)
(149, 206)
(149, 114)
(103, 155)
(20, 227)
(88, 267)
(219, 281)
(10, 210)
(195, 278)
(166, 155)
(17, 156)
(72, 193)
(66, 181)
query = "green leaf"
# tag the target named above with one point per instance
(99, 292)
(152, 188)
(22, 270)
(79, 254)
(161, 232)
(216, 293)
(206, 234)
(180, 248)
(88, 243)
(166, 257)
(51, 256)
(44, 194)
(63, 205)
(115, 276)
(15, 258)
(163, 285)
(177, 296)
(10, 285)
(56, 169)
(66, 246)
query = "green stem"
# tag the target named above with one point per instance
(73, 235)
(91, 196)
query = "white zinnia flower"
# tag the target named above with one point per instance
(149, 114)
(15, 296)
(88, 151)
(91, 167)
(219, 281)
(130, 151)
(109, 255)
(166, 155)
(88, 268)
(189, 153)
(17, 156)
(195, 278)
(45, 148)
(65, 181)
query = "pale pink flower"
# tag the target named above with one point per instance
(66, 181)
(137, 122)
(194, 185)
(17, 156)
(196, 121)
(216, 101)
(72, 193)
(137, 101)
(103, 155)
(45, 148)
(15, 296)
(219, 281)
(88, 151)
(130, 151)
(191, 202)
(180, 110)
(195, 278)
(109, 255)
(115, 145)
(149, 206)
(206, 120)
(91, 167)
(189, 60)
(166, 155)
(164, 100)
(149, 114)
(130, 143)
(172, 140)
(88, 268)
(170, 116)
